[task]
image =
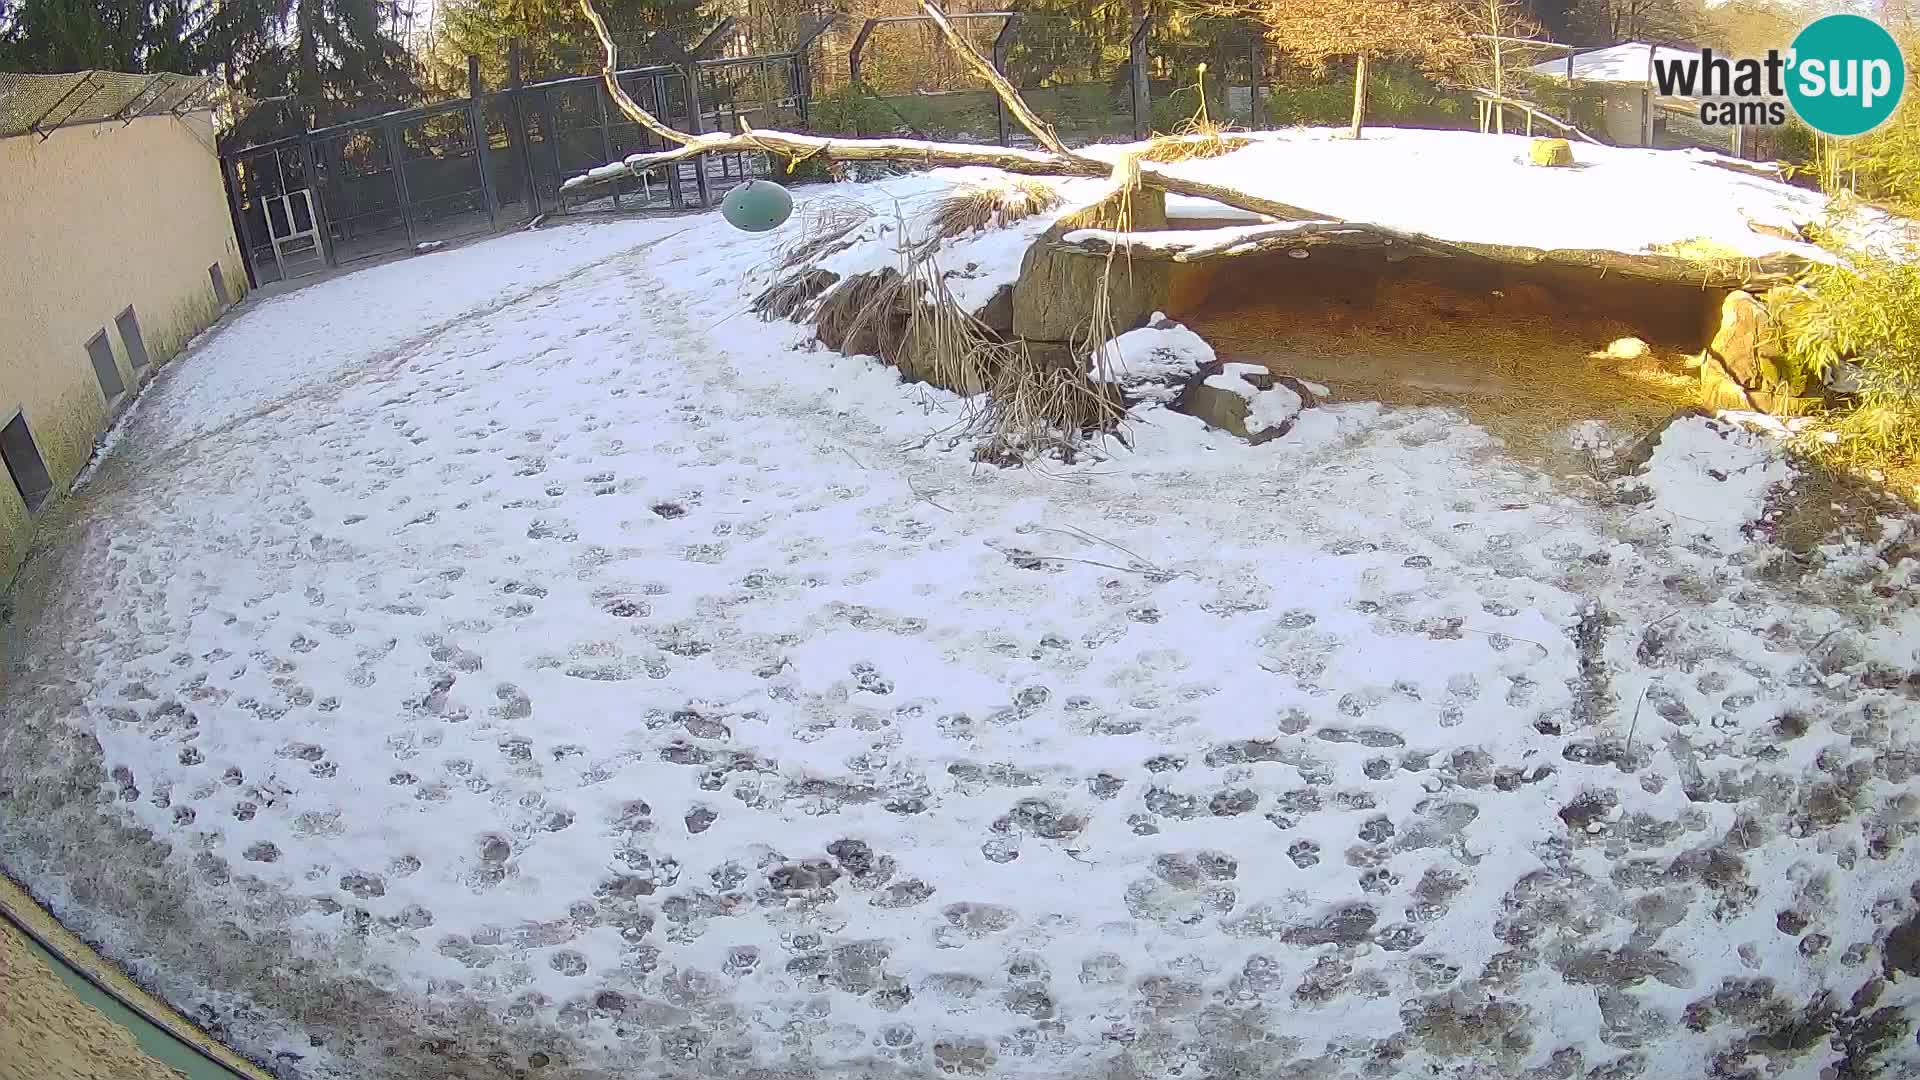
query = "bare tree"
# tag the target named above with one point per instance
(1505, 40)
(1428, 32)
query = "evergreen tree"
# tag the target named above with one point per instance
(332, 58)
(328, 57)
(557, 39)
(72, 35)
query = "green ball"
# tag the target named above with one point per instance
(756, 206)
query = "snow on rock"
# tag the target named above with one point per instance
(975, 265)
(1712, 478)
(1153, 363)
(1232, 378)
(1272, 408)
(600, 680)
(1478, 188)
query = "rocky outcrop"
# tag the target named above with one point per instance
(1247, 400)
(1746, 365)
(1053, 299)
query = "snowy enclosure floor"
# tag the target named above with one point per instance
(518, 658)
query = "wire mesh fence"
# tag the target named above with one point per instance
(44, 103)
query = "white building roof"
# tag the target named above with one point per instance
(1630, 63)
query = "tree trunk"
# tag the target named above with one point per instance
(1359, 93)
(1499, 79)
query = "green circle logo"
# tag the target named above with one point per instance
(1846, 74)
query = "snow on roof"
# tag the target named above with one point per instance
(1628, 63)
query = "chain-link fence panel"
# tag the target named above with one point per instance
(43, 103)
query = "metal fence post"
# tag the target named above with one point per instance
(675, 197)
(606, 136)
(1137, 77)
(317, 205)
(1257, 57)
(859, 46)
(694, 108)
(477, 129)
(1001, 43)
(231, 179)
(693, 128)
(397, 159)
(519, 147)
(550, 134)
(802, 70)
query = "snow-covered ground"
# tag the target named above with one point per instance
(521, 658)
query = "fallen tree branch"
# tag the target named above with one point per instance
(1199, 245)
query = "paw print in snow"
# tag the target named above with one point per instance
(867, 678)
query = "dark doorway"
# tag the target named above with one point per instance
(29, 472)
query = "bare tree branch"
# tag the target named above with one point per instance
(984, 68)
(627, 105)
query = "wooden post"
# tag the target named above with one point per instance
(1359, 93)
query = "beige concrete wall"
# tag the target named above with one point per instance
(68, 1014)
(1622, 109)
(92, 219)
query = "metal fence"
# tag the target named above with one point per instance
(1116, 80)
(456, 169)
(41, 104)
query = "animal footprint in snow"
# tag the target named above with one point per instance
(869, 679)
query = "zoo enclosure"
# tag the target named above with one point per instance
(496, 159)
(493, 160)
(489, 161)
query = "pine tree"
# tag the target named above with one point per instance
(556, 38)
(333, 58)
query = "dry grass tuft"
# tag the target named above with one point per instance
(1714, 256)
(996, 205)
(790, 297)
(1210, 141)
(1196, 138)
(859, 315)
(826, 226)
(1019, 402)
